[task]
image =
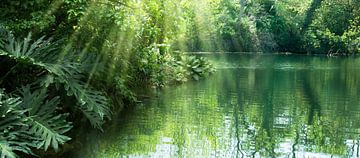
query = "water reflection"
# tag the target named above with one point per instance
(254, 106)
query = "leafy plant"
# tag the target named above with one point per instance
(351, 37)
(162, 67)
(194, 67)
(334, 30)
(154, 64)
(13, 127)
(61, 69)
(43, 123)
(198, 67)
(30, 121)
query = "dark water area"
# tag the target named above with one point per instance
(253, 106)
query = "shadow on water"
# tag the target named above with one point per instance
(312, 99)
(253, 106)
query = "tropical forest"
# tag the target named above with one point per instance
(179, 78)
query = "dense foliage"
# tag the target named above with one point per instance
(98, 54)
(299, 26)
(335, 30)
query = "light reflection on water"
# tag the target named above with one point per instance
(253, 106)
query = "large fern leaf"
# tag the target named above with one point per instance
(61, 69)
(44, 123)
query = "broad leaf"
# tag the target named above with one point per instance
(44, 123)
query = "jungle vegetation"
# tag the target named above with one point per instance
(65, 60)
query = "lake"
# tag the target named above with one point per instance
(252, 106)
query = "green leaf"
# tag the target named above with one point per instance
(13, 136)
(196, 77)
(44, 123)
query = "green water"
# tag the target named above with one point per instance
(253, 106)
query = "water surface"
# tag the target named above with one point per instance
(253, 106)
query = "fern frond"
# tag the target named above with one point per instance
(44, 123)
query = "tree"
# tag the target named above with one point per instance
(310, 14)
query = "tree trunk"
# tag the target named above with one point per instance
(310, 14)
